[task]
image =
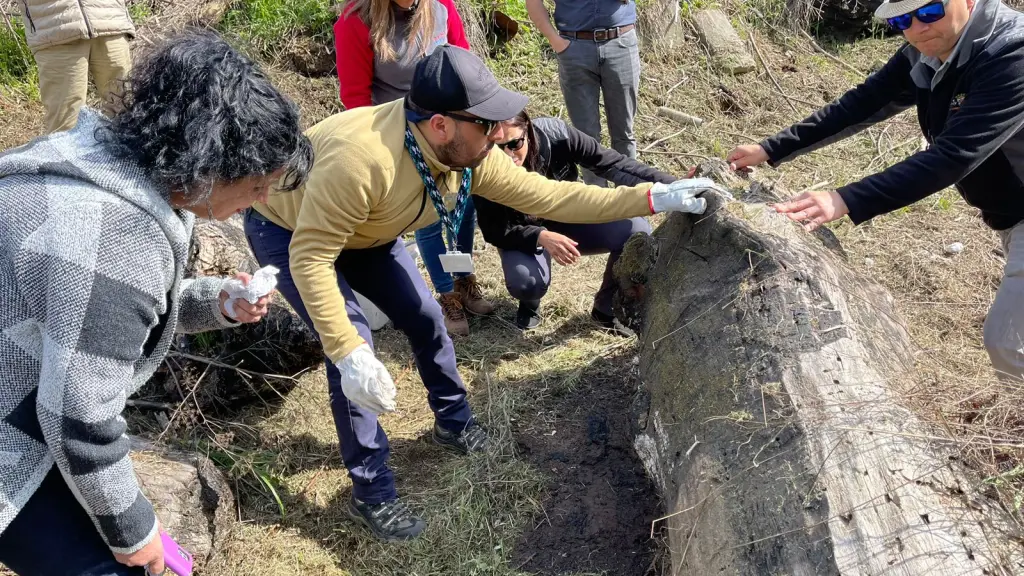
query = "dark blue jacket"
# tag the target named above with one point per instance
(971, 112)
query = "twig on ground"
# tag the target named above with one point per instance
(219, 364)
(771, 75)
(660, 140)
(147, 405)
(672, 153)
(830, 56)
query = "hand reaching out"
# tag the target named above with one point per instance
(562, 248)
(812, 209)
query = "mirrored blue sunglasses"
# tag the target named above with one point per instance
(926, 14)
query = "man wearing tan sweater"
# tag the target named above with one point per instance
(383, 171)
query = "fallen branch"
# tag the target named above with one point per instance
(764, 64)
(219, 364)
(831, 56)
(147, 405)
(660, 140)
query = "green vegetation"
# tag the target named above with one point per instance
(17, 68)
(140, 11)
(266, 25)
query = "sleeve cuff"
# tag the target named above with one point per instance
(150, 520)
(854, 209)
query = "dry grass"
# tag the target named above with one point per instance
(477, 508)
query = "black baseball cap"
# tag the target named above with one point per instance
(452, 79)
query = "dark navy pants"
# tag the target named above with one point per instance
(53, 536)
(387, 276)
(528, 276)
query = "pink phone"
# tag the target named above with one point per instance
(177, 560)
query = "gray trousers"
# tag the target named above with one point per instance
(1004, 325)
(586, 69)
(528, 276)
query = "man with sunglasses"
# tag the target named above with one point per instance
(382, 171)
(963, 67)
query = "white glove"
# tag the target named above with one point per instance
(681, 195)
(261, 284)
(366, 382)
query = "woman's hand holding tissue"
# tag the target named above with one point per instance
(246, 298)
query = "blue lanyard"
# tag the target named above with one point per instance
(453, 220)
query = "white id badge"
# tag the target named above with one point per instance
(457, 262)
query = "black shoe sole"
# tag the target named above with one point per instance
(354, 514)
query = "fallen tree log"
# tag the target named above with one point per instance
(660, 27)
(768, 416)
(191, 496)
(729, 54)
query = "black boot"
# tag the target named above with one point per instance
(389, 521)
(611, 323)
(528, 316)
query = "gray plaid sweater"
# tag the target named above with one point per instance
(91, 294)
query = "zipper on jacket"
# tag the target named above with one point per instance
(88, 26)
(28, 16)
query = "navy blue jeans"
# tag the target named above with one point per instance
(53, 536)
(431, 242)
(388, 277)
(527, 276)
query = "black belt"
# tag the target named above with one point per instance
(599, 35)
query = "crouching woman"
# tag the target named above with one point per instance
(527, 244)
(95, 225)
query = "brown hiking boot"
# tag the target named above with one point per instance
(472, 296)
(454, 316)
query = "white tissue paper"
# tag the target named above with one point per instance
(261, 284)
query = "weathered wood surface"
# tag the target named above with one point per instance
(767, 416)
(728, 52)
(660, 28)
(192, 498)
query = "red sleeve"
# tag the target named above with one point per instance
(456, 32)
(354, 58)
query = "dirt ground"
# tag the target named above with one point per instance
(600, 503)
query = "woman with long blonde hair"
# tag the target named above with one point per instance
(378, 44)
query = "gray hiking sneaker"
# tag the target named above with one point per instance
(389, 521)
(472, 439)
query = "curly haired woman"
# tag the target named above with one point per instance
(95, 225)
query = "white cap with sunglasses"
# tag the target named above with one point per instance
(899, 13)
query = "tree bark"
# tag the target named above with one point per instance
(191, 496)
(660, 28)
(728, 52)
(768, 417)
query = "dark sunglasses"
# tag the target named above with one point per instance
(926, 14)
(488, 125)
(513, 144)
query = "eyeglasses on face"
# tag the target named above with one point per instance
(927, 14)
(489, 125)
(513, 144)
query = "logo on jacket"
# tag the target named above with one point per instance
(957, 102)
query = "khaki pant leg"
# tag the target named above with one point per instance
(110, 61)
(1004, 325)
(63, 83)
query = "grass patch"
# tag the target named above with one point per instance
(266, 25)
(17, 67)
